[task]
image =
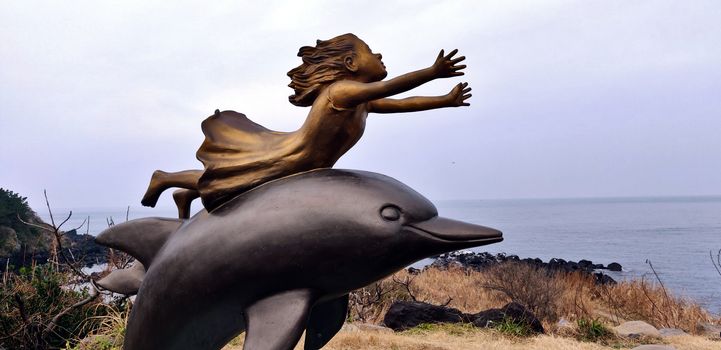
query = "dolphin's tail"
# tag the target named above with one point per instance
(141, 239)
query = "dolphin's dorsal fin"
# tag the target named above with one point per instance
(278, 321)
(326, 319)
(125, 281)
(141, 238)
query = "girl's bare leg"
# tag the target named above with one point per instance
(183, 198)
(161, 181)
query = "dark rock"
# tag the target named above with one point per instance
(82, 248)
(556, 263)
(480, 261)
(413, 271)
(614, 266)
(585, 263)
(602, 278)
(709, 330)
(513, 311)
(403, 315)
(533, 261)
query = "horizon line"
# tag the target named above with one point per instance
(635, 197)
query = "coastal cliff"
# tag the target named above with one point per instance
(26, 239)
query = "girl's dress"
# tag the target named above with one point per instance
(239, 154)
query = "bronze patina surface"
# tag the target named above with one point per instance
(283, 238)
(341, 80)
(277, 260)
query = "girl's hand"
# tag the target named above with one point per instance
(445, 66)
(458, 96)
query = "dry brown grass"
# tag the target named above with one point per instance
(549, 295)
(107, 331)
(689, 342)
(571, 296)
(650, 302)
(443, 339)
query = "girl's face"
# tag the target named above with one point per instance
(369, 65)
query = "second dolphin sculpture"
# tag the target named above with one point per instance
(277, 260)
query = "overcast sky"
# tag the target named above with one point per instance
(570, 99)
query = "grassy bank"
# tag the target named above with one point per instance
(589, 311)
(448, 338)
(550, 296)
(576, 313)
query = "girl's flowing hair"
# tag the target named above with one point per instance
(322, 64)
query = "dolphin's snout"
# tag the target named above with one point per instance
(458, 231)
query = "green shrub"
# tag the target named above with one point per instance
(514, 328)
(592, 330)
(30, 299)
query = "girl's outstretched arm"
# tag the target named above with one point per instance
(350, 93)
(456, 98)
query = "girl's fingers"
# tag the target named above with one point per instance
(457, 74)
(466, 90)
(456, 60)
(450, 54)
(440, 55)
(458, 67)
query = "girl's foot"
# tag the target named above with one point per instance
(155, 188)
(183, 198)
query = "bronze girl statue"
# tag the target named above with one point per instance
(341, 79)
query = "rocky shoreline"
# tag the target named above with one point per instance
(81, 247)
(482, 260)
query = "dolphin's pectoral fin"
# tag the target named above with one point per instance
(125, 281)
(141, 238)
(278, 321)
(326, 319)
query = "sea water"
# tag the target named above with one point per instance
(675, 234)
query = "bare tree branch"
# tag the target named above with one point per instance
(57, 234)
(46, 228)
(406, 284)
(81, 225)
(70, 214)
(47, 203)
(54, 322)
(665, 294)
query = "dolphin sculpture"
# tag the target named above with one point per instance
(275, 261)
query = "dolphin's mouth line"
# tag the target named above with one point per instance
(480, 234)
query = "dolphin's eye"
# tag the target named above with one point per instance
(391, 213)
